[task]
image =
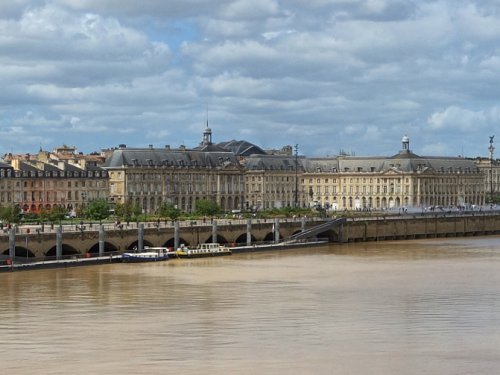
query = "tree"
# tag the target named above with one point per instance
(57, 213)
(98, 209)
(170, 211)
(127, 211)
(10, 214)
(207, 207)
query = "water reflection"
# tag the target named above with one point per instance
(427, 306)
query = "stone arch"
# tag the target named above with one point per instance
(270, 237)
(220, 239)
(67, 250)
(135, 245)
(242, 239)
(20, 252)
(398, 202)
(108, 248)
(171, 242)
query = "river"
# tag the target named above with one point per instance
(403, 307)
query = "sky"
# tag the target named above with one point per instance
(330, 76)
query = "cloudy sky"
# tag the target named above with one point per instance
(328, 75)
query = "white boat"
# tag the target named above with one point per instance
(149, 254)
(204, 250)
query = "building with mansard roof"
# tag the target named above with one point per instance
(37, 182)
(149, 177)
(274, 181)
(402, 180)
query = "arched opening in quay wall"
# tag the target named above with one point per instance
(171, 243)
(220, 239)
(20, 252)
(135, 245)
(108, 248)
(67, 251)
(270, 237)
(242, 239)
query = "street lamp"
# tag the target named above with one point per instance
(296, 176)
(491, 149)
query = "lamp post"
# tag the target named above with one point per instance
(296, 201)
(491, 149)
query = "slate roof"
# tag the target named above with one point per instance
(242, 148)
(273, 162)
(155, 157)
(4, 165)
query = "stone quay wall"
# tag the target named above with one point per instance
(82, 240)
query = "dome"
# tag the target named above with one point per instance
(405, 139)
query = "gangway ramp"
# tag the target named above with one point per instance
(314, 231)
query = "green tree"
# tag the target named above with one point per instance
(207, 207)
(97, 209)
(127, 211)
(57, 213)
(170, 211)
(10, 214)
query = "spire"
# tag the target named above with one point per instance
(207, 134)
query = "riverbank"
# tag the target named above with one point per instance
(63, 263)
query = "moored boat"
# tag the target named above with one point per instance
(149, 254)
(204, 250)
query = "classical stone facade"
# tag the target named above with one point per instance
(273, 181)
(403, 180)
(491, 171)
(240, 176)
(150, 177)
(47, 180)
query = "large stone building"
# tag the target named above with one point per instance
(149, 177)
(403, 180)
(491, 171)
(47, 180)
(273, 181)
(238, 175)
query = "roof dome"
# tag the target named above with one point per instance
(405, 139)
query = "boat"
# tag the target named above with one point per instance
(149, 254)
(204, 250)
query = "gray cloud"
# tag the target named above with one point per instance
(330, 75)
